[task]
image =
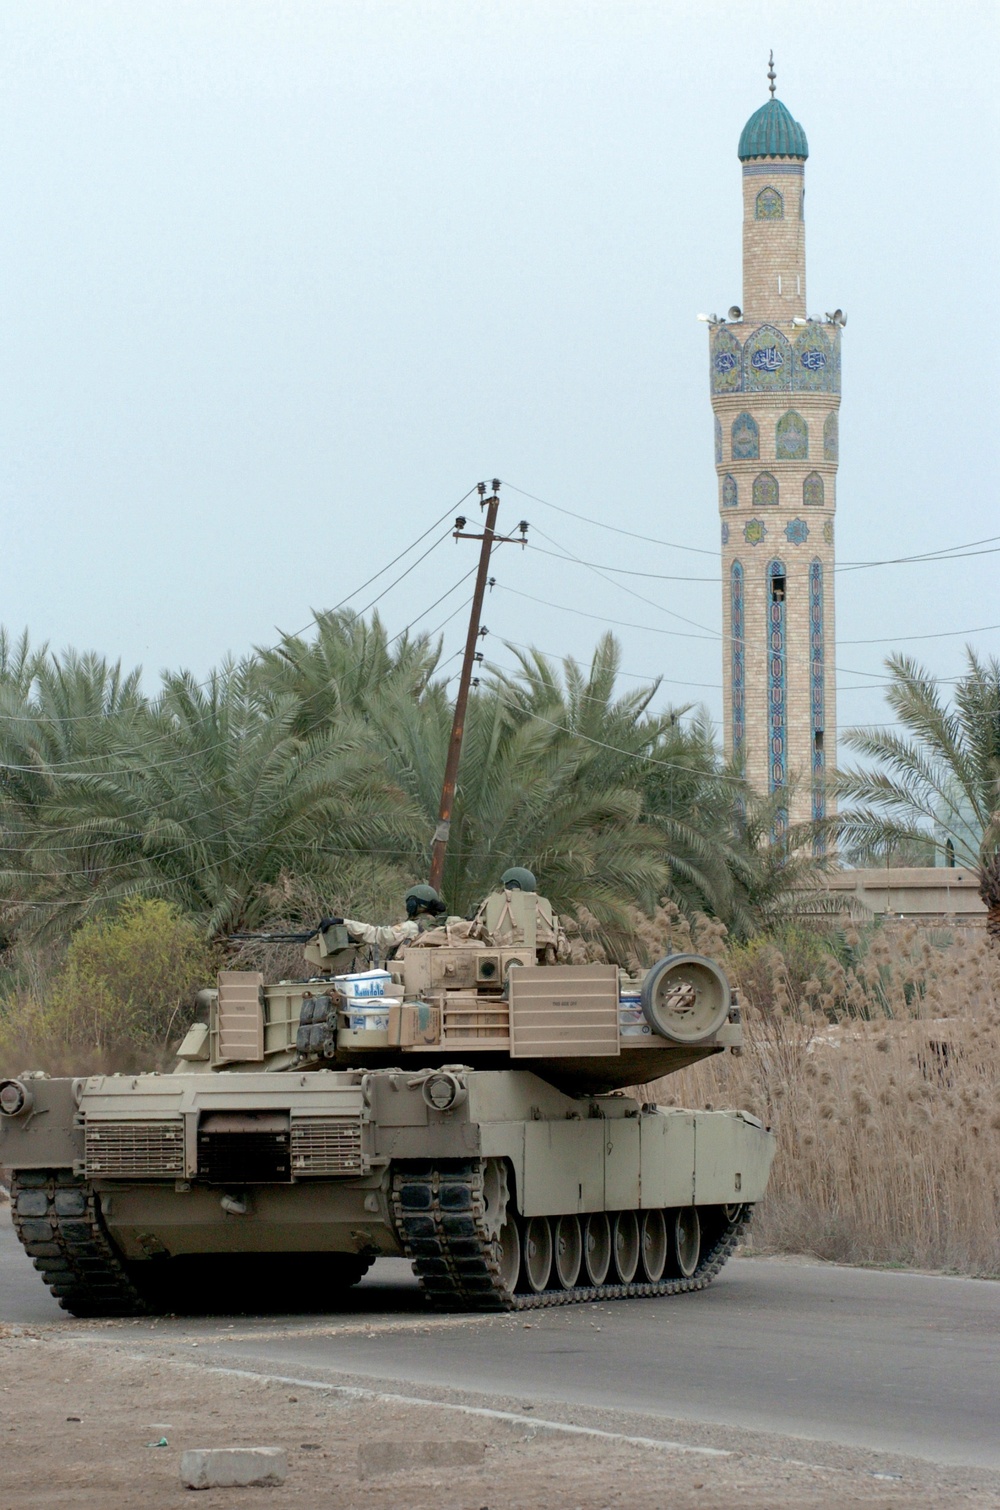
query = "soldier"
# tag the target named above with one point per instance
(425, 909)
(507, 921)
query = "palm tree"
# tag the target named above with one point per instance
(219, 799)
(937, 779)
(349, 667)
(58, 715)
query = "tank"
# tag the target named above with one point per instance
(465, 1107)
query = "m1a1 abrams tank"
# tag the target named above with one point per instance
(470, 1117)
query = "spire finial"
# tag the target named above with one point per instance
(771, 73)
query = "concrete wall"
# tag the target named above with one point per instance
(923, 894)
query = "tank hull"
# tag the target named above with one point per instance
(122, 1184)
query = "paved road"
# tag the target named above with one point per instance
(898, 1363)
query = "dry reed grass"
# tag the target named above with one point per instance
(881, 1085)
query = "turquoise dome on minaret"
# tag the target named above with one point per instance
(772, 131)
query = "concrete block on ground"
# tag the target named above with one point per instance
(233, 1467)
(395, 1456)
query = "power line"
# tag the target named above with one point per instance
(632, 675)
(615, 529)
(620, 587)
(626, 571)
(943, 634)
(667, 765)
(185, 756)
(453, 588)
(602, 619)
(388, 567)
(946, 553)
(649, 629)
(80, 765)
(943, 553)
(86, 717)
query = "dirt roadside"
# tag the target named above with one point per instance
(77, 1418)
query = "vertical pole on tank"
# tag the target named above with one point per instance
(440, 841)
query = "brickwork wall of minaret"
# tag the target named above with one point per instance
(775, 379)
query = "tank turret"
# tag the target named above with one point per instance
(489, 993)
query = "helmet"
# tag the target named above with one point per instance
(424, 899)
(520, 878)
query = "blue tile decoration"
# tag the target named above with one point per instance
(767, 361)
(791, 438)
(814, 361)
(765, 491)
(725, 358)
(813, 491)
(817, 695)
(828, 531)
(754, 531)
(831, 437)
(718, 441)
(745, 438)
(737, 663)
(796, 532)
(776, 688)
(730, 492)
(773, 170)
(725, 532)
(769, 205)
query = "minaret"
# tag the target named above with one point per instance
(775, 380)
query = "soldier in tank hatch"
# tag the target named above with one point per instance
(507, 921)
(425, 909)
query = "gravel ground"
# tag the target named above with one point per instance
(80, 1410)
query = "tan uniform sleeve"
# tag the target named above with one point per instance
(382, 936)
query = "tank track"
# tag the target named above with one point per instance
(439, 1211)
(57, 1219)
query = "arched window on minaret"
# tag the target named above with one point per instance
(745, 438)
(791, 438)
(812, 491)
(770, 205)
(765, 491)
(730, 492)
(831, 437)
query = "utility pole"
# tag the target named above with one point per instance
(472, 656)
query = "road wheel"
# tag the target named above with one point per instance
(596, 1247)
(653, 1232)
(625, 1245)
(567, 1243)
(536, 1254)
(685, 1241)
(507, 1248)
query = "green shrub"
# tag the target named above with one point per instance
(124, 993)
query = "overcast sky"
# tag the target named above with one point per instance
(281, 281)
